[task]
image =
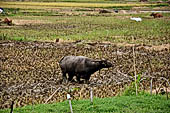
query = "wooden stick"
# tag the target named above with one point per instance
(151, 87)
(150, 74)
(160, 86)
(69, 99)
(32, 107)
(166, 92)
(71, 109)
(91, 95)
(134, 65)
(52, 95)
(12, 105)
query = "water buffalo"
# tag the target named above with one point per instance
(81, 67)
(143, 0)
(8, 21)
(156, 15)
(104, 11)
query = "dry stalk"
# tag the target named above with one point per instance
(166, 91)
(134, 65)
(157, 91)
(52, 95)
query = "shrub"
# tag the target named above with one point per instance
(131, 89)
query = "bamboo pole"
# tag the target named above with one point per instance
(166, 92)
(91, 95)
(12, 106)
(151, 86)
(69, 99)
(134, 65)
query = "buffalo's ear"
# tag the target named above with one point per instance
(103, 59)
(102, 62)
(96, 60)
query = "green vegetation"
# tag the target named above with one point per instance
(4, 37)
(127, 104)
(72, 1)
(81, 21)
(131, 89)
(47, 5)
(45, 25)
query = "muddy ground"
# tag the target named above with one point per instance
(29, 71)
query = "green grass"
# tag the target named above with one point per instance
(113, 28)
(47, 5)
(5, 37)
(127, 104)
(84, 24)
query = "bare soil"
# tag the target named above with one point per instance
(28, 22)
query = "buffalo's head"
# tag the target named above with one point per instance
(105, 64)
(152, 14)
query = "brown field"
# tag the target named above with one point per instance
(30, 73)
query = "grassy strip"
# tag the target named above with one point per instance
(128, 104)
(5, 37)
(73, 0)
(85, 0)
(40, 5)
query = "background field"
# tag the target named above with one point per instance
(83, 0)
(29, 52)
(48, 21)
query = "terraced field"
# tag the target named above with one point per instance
(41, 34)
(30, 72)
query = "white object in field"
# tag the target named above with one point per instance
(151, 87)
(1, 10)
(136, 19)
(71, 109)
(68, 96)
(91, 95)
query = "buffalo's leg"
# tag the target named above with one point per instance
(64, 77)
(87, 79)
(70, 78)
(78, 79)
